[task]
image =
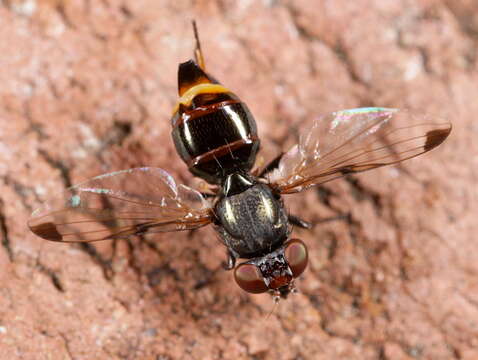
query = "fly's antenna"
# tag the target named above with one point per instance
(197, 51)
(276, 300)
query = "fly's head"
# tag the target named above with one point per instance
(274, 272)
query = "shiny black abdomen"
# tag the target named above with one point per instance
(216, 140)
(253, 222)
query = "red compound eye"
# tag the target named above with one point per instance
(296, 256)
(249, 278)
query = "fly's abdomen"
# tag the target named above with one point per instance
(213, 131)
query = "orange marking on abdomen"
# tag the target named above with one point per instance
(187, 98)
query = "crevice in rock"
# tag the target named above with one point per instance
(60, 9)
(105, 264)
(67, 346)
(360, 192)
(55, 280)
(4, 232)
(22, 191)
(59, 165)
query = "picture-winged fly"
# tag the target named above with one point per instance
(216, 136)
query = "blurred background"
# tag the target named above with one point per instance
(87, 87)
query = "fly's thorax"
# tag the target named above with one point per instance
(213, 130)
(252, 220)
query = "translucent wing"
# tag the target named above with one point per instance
(119, 204)
(355, 140)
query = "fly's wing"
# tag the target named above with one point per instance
(120, 204)
(355, 140)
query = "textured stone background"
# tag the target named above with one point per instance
(86, 87)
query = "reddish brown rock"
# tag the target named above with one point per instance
(88, 87)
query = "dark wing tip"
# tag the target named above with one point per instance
(435, 138)
(47, 231)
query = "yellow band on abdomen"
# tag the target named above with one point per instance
(189, 95)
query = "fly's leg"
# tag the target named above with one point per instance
(207, 190)
(230, 263)
(294, 220)
(208, 195)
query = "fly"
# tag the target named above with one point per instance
(216, 135)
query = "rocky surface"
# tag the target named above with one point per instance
(87, 87)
